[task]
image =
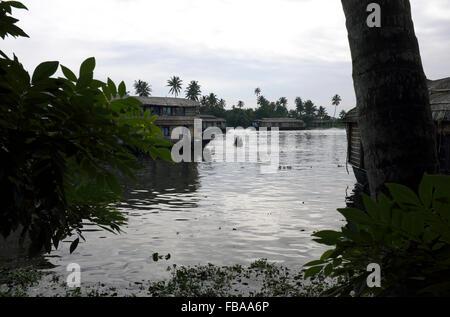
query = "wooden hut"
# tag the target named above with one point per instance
(440, 107)
(280, 123)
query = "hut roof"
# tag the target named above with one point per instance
(167, 101)
(351, 116)
(439, 101)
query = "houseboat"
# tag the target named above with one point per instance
(439, 91)
(178, 112)
(280, 123)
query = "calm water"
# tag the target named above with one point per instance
(222, 213)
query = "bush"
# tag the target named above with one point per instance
(408, 236)
(60, 141)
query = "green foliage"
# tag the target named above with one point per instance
(7, 22)
(408, 236)
(61, 142)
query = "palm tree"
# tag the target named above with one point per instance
(342, 114)
(175, 84)
(240, 104)
(299, 106)
(321, 113)
(204, 101)
(193, 91)
(336, 101)
(395, 122)
(258, 92)
(142, 88)
(212, 100)
(222, 103)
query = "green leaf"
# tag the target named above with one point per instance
(68, 73)
(328, 269)
(112, 88)
(165, 154)
(87, 67)
(44, 70)
(16, 4)
(356, 216)
(312, 271)
(426, 191)
(327, 237)
(327, 254)
(122, 89)
(371, 207)
(313, 263)
(74, 245)
(404, 196)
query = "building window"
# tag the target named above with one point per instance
(178, 111)
(155, 110)
(167, 111)
(165, 131)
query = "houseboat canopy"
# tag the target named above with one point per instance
(282, 123)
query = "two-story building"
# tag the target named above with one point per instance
(178, 112)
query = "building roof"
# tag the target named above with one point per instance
(280, 120)
(167, 101)
(439, 101)
(208, 117)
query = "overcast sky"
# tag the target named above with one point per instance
(287, 48)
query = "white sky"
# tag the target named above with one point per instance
(286, 47)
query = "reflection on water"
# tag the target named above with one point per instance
(222, 213)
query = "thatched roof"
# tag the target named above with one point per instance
(351, 116)
(439, 101)
(167, 101)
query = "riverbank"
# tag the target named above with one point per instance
(260, 278)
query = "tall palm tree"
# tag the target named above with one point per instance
(394, 115)
(336, 101)
(193, 91)
(142, 88)
(240, 104)
(175, 84)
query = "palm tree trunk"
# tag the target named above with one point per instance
(395, 120)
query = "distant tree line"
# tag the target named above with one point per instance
(238, 115)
